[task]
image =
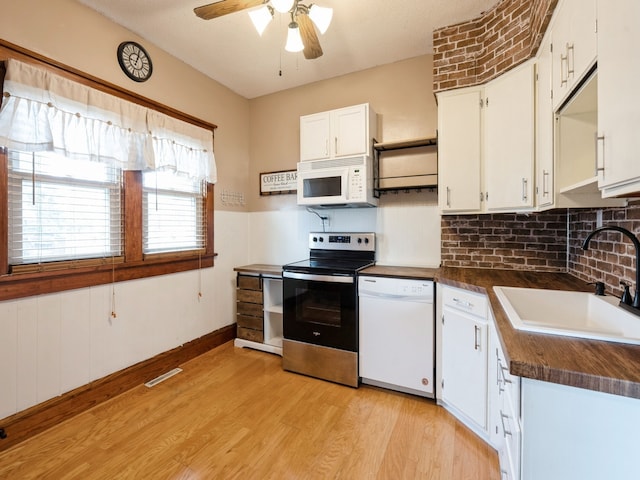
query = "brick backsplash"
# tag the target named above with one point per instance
(536, 241)
(611, 256)
(475, 51)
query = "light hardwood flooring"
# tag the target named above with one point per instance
(234, 413)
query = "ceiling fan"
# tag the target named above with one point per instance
(301, 31)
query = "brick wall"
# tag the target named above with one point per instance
(611, 256)
(475, 51)
(536, 241)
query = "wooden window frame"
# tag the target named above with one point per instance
(135, 264)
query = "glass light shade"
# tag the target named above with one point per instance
(321, 16)
(282, 6)
(294, 40)
(261, 18)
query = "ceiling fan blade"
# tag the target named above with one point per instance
(312, 48)
(224, 7)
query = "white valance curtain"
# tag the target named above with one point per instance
(42, 111)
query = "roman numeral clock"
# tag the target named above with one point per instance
(134, 61)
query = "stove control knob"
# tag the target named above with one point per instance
(359, 240)
(315, 239)
(321, 239)
(366, 240)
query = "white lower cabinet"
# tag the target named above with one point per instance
(464, 357)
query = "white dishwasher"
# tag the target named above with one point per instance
(396, 327)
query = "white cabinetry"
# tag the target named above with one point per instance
(272, 288)
(544, 126)
(459, 150)
(574, 45)
(486, 145)
(505, 432)
(343, 132)
(509, 140)
(618, 97)
(464, 356)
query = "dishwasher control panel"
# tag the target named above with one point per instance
(418, 290)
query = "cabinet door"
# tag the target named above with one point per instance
(544, 126)
(350, 131)
(315, 132)
(509, 140)
(574, 45)
(464, 364)
(618, 96)
(459, 150)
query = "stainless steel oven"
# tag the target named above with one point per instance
(320, 317)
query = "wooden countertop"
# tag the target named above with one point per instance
(400, 272)
(595, 365)
(261, 269)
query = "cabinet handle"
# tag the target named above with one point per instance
(448, 197)
(525, 189)
(476, 337)
(563, 61)
(502, 369)
(326, 147)
(545, 183)
(462, 303)
(599, 138)
(570, 70)
(504, 430)
(336, 145)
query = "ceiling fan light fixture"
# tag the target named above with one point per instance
(282, 6)
(261, 17)
(321, 16)
(294, 39)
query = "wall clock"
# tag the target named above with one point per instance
(134, 61)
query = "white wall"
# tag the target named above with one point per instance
(407, 228)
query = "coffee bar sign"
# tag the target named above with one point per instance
(278, 183)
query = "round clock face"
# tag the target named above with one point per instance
(134, 61)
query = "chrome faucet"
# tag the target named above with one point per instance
(636, 244)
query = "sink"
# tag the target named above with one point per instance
(574, 314)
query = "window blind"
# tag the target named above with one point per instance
(173, 213)
(62, 209)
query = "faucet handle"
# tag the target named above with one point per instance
(599, 288)
(626, 295)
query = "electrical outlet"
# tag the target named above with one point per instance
(598, 218)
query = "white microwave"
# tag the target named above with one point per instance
(336, 182)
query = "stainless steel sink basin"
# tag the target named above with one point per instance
(574, 314)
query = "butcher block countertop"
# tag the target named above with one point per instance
(400, 272)
(595, 365)
(261, 269)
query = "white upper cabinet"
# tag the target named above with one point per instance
(459, 149)
(618, 148)
(544, 126)
(342, 132)
(486, 145)
(509, 140)
(574, 45)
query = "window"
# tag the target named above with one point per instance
(77, 209)
(62, 209)
(173, 209)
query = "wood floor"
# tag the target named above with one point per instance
(234, 413)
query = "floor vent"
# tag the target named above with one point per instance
(163, 377)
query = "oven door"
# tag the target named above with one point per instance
(321, 310)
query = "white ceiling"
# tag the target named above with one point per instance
(363, 34)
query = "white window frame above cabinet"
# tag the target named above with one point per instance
(342, 132)
(618, 144)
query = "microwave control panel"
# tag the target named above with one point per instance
(357, 176)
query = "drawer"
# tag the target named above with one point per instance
(249, 296)
(249, 282)
(250, 309)
(255, 323)
(250, 334)
(465, 301)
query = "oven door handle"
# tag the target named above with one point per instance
(319, 278)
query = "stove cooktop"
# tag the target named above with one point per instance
(328, 266)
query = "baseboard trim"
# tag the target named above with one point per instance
(37, 419)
